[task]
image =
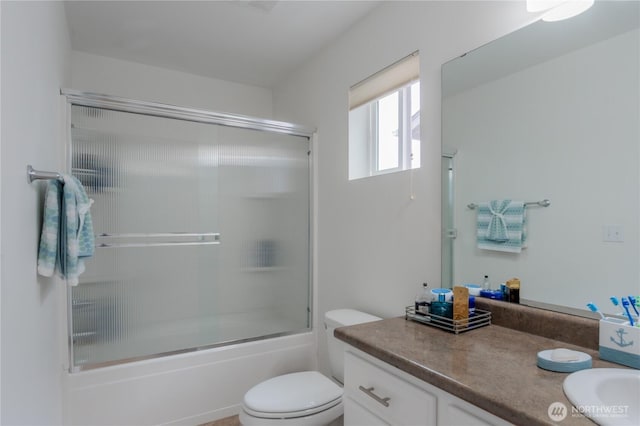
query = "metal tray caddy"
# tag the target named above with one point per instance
(480, 319)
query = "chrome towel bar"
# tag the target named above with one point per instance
(541, 203)
(33, 174)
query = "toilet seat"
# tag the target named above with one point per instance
(292, 395)
(292, 414)
(322, 418)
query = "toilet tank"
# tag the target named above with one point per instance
(341, 318)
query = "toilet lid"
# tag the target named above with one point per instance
(293, 392)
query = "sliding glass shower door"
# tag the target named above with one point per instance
(202, 235)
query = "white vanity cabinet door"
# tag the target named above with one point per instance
(356, 415)
(385, 395)
(452, 411)
(411, 400)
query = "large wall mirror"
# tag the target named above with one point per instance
(550, 111)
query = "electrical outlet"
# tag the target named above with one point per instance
(613, 233)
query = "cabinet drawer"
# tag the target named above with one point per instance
(356, 415)
(386, 395)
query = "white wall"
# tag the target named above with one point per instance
(35, 58)
(93, 73)
(375, 245)
(580, 151)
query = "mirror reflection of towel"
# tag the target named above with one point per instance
(501, 225)
(497, 229)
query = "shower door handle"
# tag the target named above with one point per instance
(159, 239)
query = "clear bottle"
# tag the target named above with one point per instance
(422, 301)
(485, 283)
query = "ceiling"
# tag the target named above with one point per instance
(537, 43)
(249, 42)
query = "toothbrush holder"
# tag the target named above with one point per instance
(620, 342)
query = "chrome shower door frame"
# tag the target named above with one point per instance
(71, 97)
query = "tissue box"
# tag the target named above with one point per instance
(619, 342)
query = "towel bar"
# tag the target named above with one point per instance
(33, 174)
(542, 203)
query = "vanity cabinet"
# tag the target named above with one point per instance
(376, 393)
(384, 394)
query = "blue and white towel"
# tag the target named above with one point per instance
(501, 225)
(67, 230)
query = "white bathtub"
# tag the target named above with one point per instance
(185, 389)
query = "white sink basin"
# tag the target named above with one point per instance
(608, 396)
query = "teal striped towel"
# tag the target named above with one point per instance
(67, 230)
(48, 251)
(501, 225)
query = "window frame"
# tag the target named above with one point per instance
(364, 142)
(405, 148)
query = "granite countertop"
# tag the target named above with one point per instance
(492, 367)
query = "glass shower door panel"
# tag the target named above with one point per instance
(264, 214)
(203, 235)
(154, 182)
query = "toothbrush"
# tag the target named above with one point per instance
(616, 302)
(625, 305)
(634, 302)
(595, 309)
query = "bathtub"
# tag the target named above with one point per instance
(185, 389)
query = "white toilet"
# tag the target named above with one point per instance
(308, 397)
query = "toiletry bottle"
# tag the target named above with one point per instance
(513, 294)
(442, 308)
(513, 290)
(422, 301)
(503, 290)
(472, 306)
(485, 283)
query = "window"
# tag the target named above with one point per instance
(384, 121)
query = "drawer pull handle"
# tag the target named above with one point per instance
(369, 391)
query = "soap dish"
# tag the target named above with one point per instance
(575, 361)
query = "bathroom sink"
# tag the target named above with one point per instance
(608, 396)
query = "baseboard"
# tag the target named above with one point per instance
(209, 416)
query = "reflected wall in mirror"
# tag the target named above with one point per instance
(550, 111)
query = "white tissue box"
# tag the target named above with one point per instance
(619, 342)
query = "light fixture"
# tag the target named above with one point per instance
(557, 10)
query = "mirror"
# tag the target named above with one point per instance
(550, 111)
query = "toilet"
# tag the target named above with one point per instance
(308, 397)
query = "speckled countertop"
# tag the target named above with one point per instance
(492, 367)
